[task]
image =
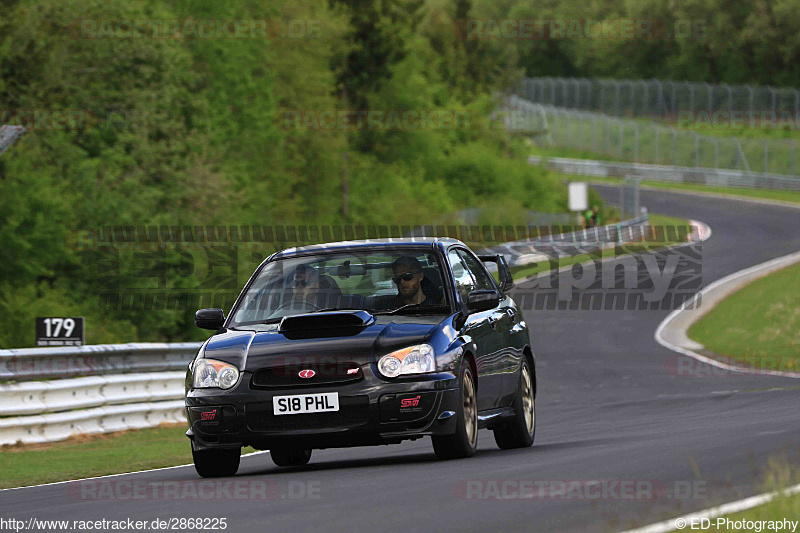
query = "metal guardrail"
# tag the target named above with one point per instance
(624, 231)
(122, 386)
(669, 174)
(649, 142)
(523, 252)
(59, 426)
(26, 364)
(98, 404)
(38, 397)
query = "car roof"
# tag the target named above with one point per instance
(362, 245)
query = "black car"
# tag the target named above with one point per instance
(362, 343)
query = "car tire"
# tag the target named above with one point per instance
(520, 431)
(290, 457)
(216, 463)
(464, 441)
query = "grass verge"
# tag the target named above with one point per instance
(780, 475)
(781, 507)
(767, 132)
(95, 455)
(776, 510)
(759, 324)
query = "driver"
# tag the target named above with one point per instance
(408, 277)
(306, 285)
(303, 296)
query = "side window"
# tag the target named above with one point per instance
(464, 280)
(482, 279)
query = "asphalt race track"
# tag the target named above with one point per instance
(611, 406)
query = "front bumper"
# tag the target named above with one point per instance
(371, 411)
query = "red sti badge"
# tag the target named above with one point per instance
(409, 402)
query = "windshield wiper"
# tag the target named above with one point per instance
(414, 308)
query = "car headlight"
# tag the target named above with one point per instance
(412, 360)
(210, 373)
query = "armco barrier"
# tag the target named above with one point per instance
(666, 173)
(26, 364)
(122, 386)
(59, 426)
(38, 397)
(575, 243)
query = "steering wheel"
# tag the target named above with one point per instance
(306, 306)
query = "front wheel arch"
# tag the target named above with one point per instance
(470, 360)
(528, 354)
(463, 441)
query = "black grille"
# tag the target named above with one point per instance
(289, 376)
(353, 411)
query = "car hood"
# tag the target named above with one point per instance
(265, 346)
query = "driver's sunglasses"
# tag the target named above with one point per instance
(301, 283)
(408, 276)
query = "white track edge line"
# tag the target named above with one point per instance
(789, 258)
(740, 505)
(117, 475)
(714, 512)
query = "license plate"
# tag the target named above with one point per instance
(305, 403)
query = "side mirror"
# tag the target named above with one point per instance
(503, 272)
(482, 301)
(209, 318)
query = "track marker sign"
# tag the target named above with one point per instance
(59, 331)
(578, 196)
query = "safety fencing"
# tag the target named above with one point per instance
(106, 388)
(660, 98)
(648, 142)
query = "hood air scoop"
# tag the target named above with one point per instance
(326, 324)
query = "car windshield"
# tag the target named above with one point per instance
(379, 281)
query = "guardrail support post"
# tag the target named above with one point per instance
(674, 147)
(696, 150)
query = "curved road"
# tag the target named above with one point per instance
(611, 406)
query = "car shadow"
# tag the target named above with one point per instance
(421, 457)
(584, 443)
(334, 464)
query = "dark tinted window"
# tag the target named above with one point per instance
(346, 280)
